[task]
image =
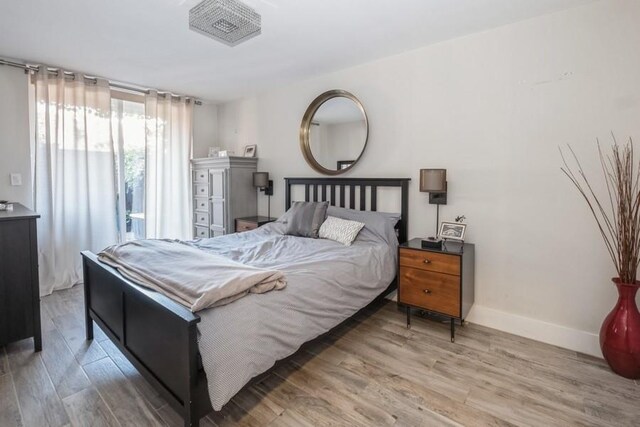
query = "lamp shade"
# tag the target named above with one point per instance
(433, 180)
(261, 179)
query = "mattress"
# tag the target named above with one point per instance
(327, 283)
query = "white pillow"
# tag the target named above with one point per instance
(340, 230)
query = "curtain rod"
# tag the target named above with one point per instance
(117, 85)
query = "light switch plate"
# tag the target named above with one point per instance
(16, 179)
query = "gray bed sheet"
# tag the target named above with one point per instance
(327, 283)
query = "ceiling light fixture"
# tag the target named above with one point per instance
(228, 21)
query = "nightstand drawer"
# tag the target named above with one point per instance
(245, 226)
(430, 261)
(431, 291)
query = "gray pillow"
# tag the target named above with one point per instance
(305, 218)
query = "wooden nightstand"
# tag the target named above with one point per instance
(251, 223)
(440, 281)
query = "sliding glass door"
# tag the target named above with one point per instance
(128, 130)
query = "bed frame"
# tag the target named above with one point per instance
(159, 336)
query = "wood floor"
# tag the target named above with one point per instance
(370, 372)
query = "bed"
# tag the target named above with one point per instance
(163, 339)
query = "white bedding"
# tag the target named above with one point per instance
(327, 282)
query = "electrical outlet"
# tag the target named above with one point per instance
(16, 179)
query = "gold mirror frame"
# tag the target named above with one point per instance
(305, 130)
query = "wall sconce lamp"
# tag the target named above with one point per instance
(434, 182)
(262, 182)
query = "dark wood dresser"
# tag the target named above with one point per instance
(251, 223)
(19, 285)
(440, 281)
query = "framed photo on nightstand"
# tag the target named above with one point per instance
(452, 231)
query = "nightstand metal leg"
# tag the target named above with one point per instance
(408, 317)
(453, 330)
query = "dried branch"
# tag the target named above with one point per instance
(619, 223)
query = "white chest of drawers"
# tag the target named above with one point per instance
(222, 191)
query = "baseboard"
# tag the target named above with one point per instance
(550, 333)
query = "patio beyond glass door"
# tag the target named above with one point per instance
(128, 129)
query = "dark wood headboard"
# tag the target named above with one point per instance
(324, 189)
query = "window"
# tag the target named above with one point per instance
(128, 130)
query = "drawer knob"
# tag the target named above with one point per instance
(427, 291)
(426, 261)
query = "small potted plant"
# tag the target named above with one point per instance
(617, 214)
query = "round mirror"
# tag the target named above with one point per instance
(334, 132)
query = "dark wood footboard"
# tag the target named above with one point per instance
(156, 334)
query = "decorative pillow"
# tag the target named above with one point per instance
(305, 218)
(377, 225)
(340, 230)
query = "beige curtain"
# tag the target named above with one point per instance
(74, 175)
(168, 150)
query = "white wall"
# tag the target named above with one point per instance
(205, 129)
(492, 108)
(238, 127)
(14, 135)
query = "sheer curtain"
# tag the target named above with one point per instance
(168, 150)
(74, 175)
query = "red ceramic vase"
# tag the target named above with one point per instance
(620, 332)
